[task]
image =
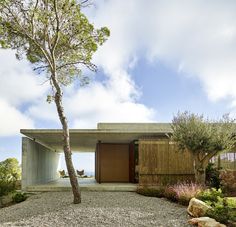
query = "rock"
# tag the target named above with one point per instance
(205, 222)
(197, 208)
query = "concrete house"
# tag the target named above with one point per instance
(124, 152)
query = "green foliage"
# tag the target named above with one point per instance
(181, 192)
(5, 188)
(212, 176)
(57, 39)
(202, 137)
(197, 134)
(55, 36)
(223, 210)
(9, 174)
(151, 192)
(19, 197)
(210, 196)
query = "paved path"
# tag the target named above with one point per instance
(96, 209)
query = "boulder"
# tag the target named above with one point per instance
(197, 208)
(205, 222)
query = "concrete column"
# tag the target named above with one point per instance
(39, 164)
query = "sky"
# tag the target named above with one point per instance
(161, 57)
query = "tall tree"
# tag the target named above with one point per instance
(57, 38)
(204, 138)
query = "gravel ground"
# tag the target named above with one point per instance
(96, 209)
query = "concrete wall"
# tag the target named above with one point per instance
(139, 127)
(39, 164)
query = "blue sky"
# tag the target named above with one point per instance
(161, 58)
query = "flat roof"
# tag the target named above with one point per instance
(86, 139)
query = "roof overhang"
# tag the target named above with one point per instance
(86, 139)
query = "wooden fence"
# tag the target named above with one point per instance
(160, 162)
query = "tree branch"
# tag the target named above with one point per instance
(41, 67)
(57, 27)
(23, 32)
(32, 18)
(85, 3)
(207, 157)
(91, 66)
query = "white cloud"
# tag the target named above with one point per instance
(12, 120)
(197, 38)
(98, 103)
(19, 88)
(89, 105)
(42, 110)
(19, 84)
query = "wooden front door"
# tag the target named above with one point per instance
(112, 162)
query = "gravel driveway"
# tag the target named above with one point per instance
(96, 209)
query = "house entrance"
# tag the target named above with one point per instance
(116, 162)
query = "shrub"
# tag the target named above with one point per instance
(186, 191)
(210, 196)
(5, 187)
(212, 176)
(228, 182)
(181, 192)
(223, 210)
(9, 174)
(19, 197)
(151, 191)
(170, 193)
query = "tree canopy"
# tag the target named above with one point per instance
(203, 137)
(57, 38)
(51, 34)
(9, 174)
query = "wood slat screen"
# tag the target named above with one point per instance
(160, 162)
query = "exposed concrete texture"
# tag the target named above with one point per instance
(86, 184)
(86, 140)
(136, 127)
(39, 164)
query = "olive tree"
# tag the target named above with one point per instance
(203, 138)
(57, 38)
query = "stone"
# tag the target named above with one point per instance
(197, 208)
(205, 222)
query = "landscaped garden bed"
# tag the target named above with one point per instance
(207, 202)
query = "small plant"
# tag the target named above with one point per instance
(6, 187)
(170, 193)
(210, 196)
(186, 191)
(19, 197)
(228, 182)
(224, 210)
(150, 191)
(212, 176)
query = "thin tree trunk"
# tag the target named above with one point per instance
(66, 142)
(200, 176)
